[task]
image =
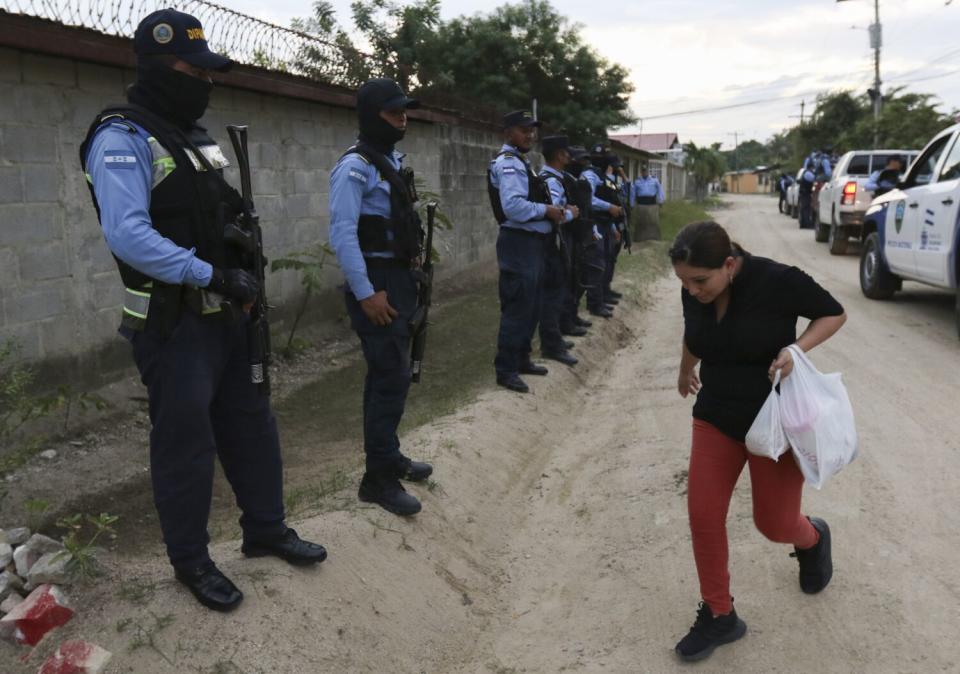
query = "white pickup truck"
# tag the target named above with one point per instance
(913, 232)
(844, 200)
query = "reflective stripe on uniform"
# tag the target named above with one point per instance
(136, 303)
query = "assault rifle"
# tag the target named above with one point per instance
(418, 322)
(246, 233)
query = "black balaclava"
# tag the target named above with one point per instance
(175, 96)
(375, 130)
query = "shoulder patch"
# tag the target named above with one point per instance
(356, 174)
(119, 159)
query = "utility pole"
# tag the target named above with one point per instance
(876, 43)
(736, 160)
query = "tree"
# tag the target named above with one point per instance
(706, 164)
(495, 62)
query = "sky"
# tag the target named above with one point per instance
(686, 55)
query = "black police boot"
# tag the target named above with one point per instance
(287, 546)
(513, 382)
(614, 294)
(567, 344)
(210, 587)
(573, 331)
(708, 632)
(561, 357)
(415, 471)
(582, 322)
(532, 368)
(816, 563)
(387, 492)
(602, 312)
(612, 301)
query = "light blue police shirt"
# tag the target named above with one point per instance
(119, 165)
(646, 187)
(873, 183)
(509, 175)
(357, 188)
(597, 204)
(811, 163)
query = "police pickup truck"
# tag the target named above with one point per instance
(844, 198)
(912, 232)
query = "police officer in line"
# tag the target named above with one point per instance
(557, 261)
(156, 180)
(376, 233)
(646, 190)
(883, 180)
(783, 184)
(617, 179)
(587, 245)
(605, 213)
(816, 169)
(522, 207)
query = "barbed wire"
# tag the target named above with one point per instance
(243, 38)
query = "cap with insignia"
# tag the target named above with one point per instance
(168, 31)
(519, 118)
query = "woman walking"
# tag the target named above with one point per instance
(740, 313)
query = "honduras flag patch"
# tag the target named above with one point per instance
(119, 159)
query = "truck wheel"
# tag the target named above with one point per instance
(820, 232)
(876, 281)
(837, 240)
(958, 312)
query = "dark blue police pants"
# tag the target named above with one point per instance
(520, 256)
(591, 277)
(387, 352)
(569, 296)
(612, 249)
(203, 405)
(551, 302)
(805, 200)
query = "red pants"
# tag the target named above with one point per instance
(716, 461)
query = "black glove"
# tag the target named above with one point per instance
(235, 283)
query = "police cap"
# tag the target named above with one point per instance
(384, 94)
(168, 31)
(578, 152)
(615, 160)
(519, 118)
(551, 144)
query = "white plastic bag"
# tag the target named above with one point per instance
(766, 437)
(817, 419)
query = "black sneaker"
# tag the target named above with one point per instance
(708, 632)
(816, 563)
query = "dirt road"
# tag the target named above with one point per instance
(555, 538)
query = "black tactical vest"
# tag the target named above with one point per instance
(537, 190)
(191, 204)
(401, 233)
(579, 193)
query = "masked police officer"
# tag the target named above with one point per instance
(376, 234)
(156, 181)
(605, 212)
(521, 205)
(816, 169)
(558, 255)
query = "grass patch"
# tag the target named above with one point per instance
(675, 215)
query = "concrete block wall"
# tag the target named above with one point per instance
(60, 294)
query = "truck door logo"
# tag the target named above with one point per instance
(898, 215)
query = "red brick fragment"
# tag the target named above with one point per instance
(76, 657)
(45, 609)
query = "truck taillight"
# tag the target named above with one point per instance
(849, 193)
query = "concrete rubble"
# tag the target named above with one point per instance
(45, 609)
(76, 657)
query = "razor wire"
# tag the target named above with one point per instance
(242, 38)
